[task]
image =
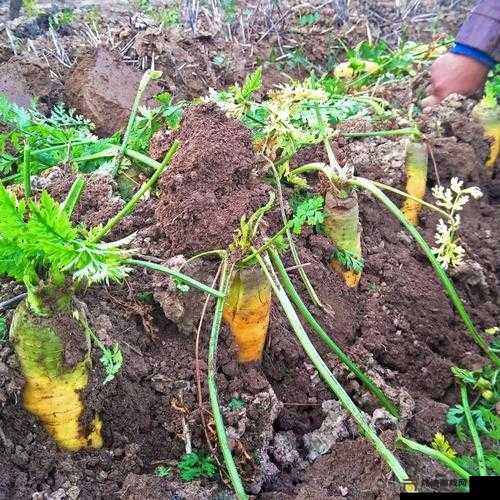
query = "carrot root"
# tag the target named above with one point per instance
(489, 117)
(343, 228)
(416, 179)
(53, 385)
(247, 310)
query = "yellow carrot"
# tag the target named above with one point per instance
(487, 113)
(416, 178)
(246, 311)
(54, 384)
(343, 228)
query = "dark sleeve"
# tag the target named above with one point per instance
(481, 30)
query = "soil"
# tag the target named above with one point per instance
(23, 78)
(92, 88)
(211, 183)
(398, 326)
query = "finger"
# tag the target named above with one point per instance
(429, 90)
(430, 101)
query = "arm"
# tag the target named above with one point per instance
(481, 32)
(464, 69)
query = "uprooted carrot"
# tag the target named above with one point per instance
(343, 228)
(416, 159)
(487, 113)
(41, 248)
(248, 302)
(246, 311)
(56, 374)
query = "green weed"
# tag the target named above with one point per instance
(196, 465)
(309, 19)
(112, 361)
(163, 471)
(309, 212)
(32, 8)
(236, 404)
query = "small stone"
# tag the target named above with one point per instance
(102, 476)
(256, 381)
(382, 420)
(284, 449)
(20, 457)
(73, 492)
(58, 494)
(334, 428)
(230, 369)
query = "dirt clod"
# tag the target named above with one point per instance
(24, 78)
(103, 88)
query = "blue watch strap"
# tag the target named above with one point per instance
(479, 55)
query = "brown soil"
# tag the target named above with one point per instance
(101, 82)
(24, 78)
(398, 325)
(210, 185)
(408, 351)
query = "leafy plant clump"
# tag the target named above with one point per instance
(163, 471)
(453, 199)
(38, 239)
(63, 136)
(150, 120)
(196, 465)
(236, 404)
(308, 212)
(478, 421)
(309, 19)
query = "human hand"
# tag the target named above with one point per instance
(454, 74)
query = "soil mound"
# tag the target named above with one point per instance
(210, 184)
(92, 88)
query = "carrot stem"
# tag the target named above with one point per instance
(26, 171)
(73, 195)
(176, 274)
(131, 204)
(326, 374)
(440, 272)
(325, 338)
(413, 131)
(212, 386)
(146, 78)
(293, 250)
(434, 454)
(385, 187)
(473, 431)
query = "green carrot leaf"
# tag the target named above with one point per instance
(253, 82)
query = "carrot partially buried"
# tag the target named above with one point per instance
(343, 228)
(53, 386)
(487, 113)
(246, 310)
(416, 160)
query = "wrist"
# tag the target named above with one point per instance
(473, 53)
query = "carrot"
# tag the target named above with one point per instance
(246, 311)
(487, 113)
(53, 384)
(343, 228)
(416, 178)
